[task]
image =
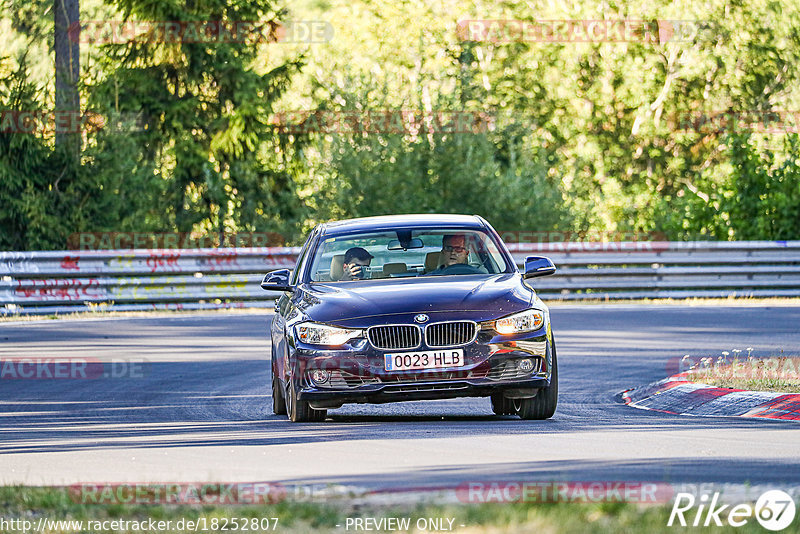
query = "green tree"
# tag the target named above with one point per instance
(765, 198)
(207, 109)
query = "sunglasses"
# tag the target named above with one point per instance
(449, 248)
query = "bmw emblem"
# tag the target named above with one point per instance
(421, 318)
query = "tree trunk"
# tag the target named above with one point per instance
(67, 49)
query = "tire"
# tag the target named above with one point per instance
(299, 411)
(278, 402)
(543, 405)
(502, 405)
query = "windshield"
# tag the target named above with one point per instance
(406, 253)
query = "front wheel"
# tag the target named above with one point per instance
(502, 405)
(299, 411)
(278, 402)
(543, 405)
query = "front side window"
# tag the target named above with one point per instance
(300, 259)
(406, 253)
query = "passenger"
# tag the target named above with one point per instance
(355, 261)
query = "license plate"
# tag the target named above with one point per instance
(431, 359)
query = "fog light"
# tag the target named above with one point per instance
(525, 365)
(320, 376)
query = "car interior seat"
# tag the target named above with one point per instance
(337, 267)
(394, 268)
(432, 261)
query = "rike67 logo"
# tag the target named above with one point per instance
(774, 510)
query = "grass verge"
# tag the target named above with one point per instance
(774, 385)
(31, 504)
(780, 374)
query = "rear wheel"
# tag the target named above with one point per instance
(543, 405)
(299, 411)
(502, 405)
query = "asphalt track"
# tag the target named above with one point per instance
(201, 410)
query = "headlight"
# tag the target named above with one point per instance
(321, 334)
(526, 321)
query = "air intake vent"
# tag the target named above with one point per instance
(450, 334)
(394, 337)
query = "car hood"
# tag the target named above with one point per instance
(478, 297)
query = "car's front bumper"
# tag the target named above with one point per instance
(357, 375)
(383, 393)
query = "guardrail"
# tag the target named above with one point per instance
(69, 281)
(660, 269)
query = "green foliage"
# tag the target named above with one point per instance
(438, 173)
(207, 109)
(39, 190)
(603, 119)
(586, 136)
(204, 159)
(765, 199)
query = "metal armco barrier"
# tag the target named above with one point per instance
(663, 269)
(129, 280)
(69, 281)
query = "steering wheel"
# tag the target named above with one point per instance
(460, 268)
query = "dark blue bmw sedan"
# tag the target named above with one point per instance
(410, 307)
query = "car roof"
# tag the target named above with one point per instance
(394, 222)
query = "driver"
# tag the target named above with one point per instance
(454, 250)
(454, 255)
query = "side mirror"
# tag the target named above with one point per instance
(538, 266)
(277, 281)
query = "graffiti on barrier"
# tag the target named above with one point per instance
(158, 262)
(59, 289)
(218, 261)
(70, 263)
